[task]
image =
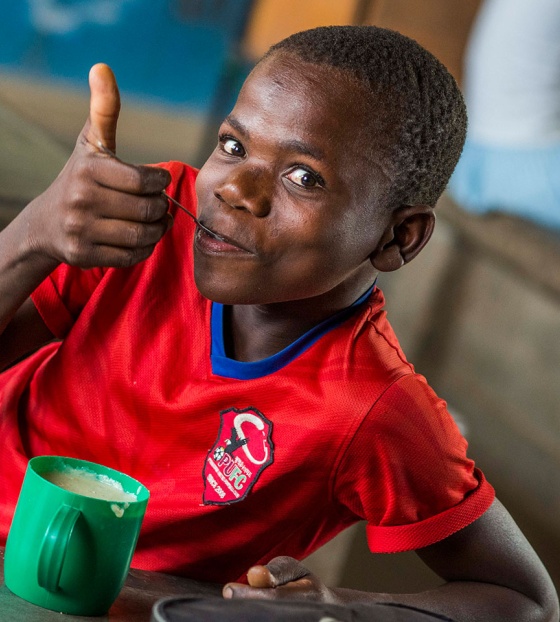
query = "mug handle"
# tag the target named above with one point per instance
(54, 547)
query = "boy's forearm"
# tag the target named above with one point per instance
(466, 602)
(22, 267)
(29, 252)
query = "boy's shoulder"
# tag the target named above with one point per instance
(383, 342)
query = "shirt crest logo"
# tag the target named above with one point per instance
(240, 454)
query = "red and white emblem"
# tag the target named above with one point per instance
(240, 454)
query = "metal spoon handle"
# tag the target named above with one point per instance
(108, 152)
(198, 223)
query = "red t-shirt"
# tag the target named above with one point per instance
(244, 461)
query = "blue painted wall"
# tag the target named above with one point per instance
(171, 51)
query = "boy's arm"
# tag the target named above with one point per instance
(24, 334)
(491, 573)
(99, 212)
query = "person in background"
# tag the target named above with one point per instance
(511, 160)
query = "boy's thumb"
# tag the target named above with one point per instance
(104, 107)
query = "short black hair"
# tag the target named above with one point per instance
(418, 111)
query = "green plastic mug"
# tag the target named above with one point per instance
(68, 551)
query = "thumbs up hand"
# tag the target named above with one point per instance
(100, 211)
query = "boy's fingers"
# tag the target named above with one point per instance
(260, 576)
(282, 577)
(285, 570)
(303, 589)
(126, 234)
(104, 107)
(112, 173)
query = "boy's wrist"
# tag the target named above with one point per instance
(30, 247)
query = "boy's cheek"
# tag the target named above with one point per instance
(203, 184)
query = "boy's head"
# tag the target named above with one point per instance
(327, 169)
(418, 115)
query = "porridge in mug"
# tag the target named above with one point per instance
(89, 484)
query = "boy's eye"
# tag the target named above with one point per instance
(233, 147)
(304, 178)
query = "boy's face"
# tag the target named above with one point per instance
(293, 185)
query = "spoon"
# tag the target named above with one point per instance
(211, 233)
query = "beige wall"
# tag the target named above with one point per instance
(442, 26)
(273, 20)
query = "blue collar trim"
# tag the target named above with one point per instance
(241, 370)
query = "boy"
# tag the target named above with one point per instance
(288, 391)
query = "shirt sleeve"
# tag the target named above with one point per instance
(406, 471)
(61, 297)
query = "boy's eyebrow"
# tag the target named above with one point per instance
(237, 125)
(290, 145)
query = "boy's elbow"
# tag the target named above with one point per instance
(492, 552)
(547, 602)
(542, 592)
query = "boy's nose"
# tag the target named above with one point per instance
(246, 188)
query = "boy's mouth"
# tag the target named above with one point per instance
(217, 243)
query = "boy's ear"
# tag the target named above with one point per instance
(408, 231)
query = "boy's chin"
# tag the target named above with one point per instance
(221, 293)
(228, 294)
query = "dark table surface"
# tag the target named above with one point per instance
(141, 590)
